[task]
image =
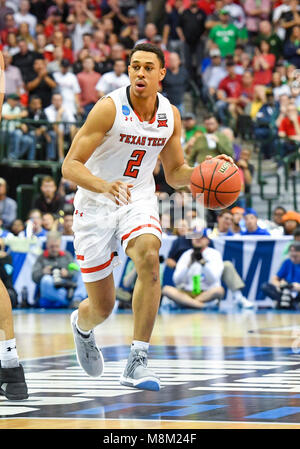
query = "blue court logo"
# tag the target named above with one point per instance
(125, 110)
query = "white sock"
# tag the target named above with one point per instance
(136, 344)
(237, 295)
(83, 333)
(8, 354)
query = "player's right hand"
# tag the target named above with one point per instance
(119, 192)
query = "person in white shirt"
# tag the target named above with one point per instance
(236, 12)
(23, 15)
(197, 275)
(69, 88)
(113, 80)
(57, 113)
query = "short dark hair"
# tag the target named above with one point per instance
(296, 232)
(224, 211)
(208, 116)
(151, 49)
(295, 246)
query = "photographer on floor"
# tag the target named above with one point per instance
(197, 275)
(284, 287)
(54, 272)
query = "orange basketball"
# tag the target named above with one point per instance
(218, 180)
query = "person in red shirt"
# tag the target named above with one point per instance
(263, 64)
(10, 27)
(88, 79)
(228, 94)
(246, 91)
(289, 129)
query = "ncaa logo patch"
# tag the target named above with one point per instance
(125, 110)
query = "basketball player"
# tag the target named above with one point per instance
(12, 381)
(112, 159)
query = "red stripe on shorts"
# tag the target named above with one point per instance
(154, 218)
(99, 267)
(138, 228)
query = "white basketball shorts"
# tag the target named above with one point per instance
(99, 229)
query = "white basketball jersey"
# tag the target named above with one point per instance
(130, 149)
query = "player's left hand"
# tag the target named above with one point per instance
(221, 156)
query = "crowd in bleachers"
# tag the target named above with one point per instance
(237, 59)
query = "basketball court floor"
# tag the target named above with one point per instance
(219, 370)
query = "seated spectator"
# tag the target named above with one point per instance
(247, 168)
(49, 222)
(197, 276)
(180, 244)
(68, 87)
(224, 225)
(49, 200)
(190, 126)
(224, 35)
(8, 206)
(284, 287)
(4, 233)
(53, 275)
(236, 147)
(113, 80)
(296, 238)
(39, 132)
(40, 83)
(88, 79)
(275, 225)
(213, 74)
(263, 64)
(213, 142)
(246, 92)
(259, 99)
(291, 50)
(57, 56)
(63, 125)
(33, 225)
(238, 222)
(265, 130)
(251, 225)
(228, 93)
(175, 82)
(24, 60)
(16, 227)
(256, 12)
(289, 129)
(68, 224)
(290, 221)
(267, 34)
(279, 87)
(15, 133)
(13, 78)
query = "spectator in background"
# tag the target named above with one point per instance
(48, 222)
(256, 11)
(175, 82)
(267, 34)
(19, 141)
(284, 287)
(170, 36)
(68, 224)
(10, 27)
(81, 26)
(275, 225)
(213, 75)
(24, 60)
(23, 33)
(213, 17)
(13, 77)
(41, 83)
(289, 128)
(23, 15)
(16, 227)
(62, 126)
(264, 129)
(113, 80)
(88, 80)
(52, 273)
(197, 275)
(190, 30)
(228, 94)
(49, 199)
(248, 169)
(12, 44)
(67, 189)
(290, 18)
(251, 225)
(33, 225)
(8, 206)
(223, 228)
(237, 219)
(212, 142)
(224, 35)
(149, 33)
(38, 131)
(190, 126)
(180, 244)
(4, 10)
(54, 65)
(263, 64)
(279, 87)
(69, 89)
(236, 13)
(130, 34)
(290, 221)
(291, 50)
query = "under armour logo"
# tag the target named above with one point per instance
(10, 349)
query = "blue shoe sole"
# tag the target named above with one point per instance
(148, 385)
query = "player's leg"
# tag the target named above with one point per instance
(92, 311)
(12, 381)
(144, 251)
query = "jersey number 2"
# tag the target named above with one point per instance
(135, 161)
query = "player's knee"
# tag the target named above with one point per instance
(148, 264)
